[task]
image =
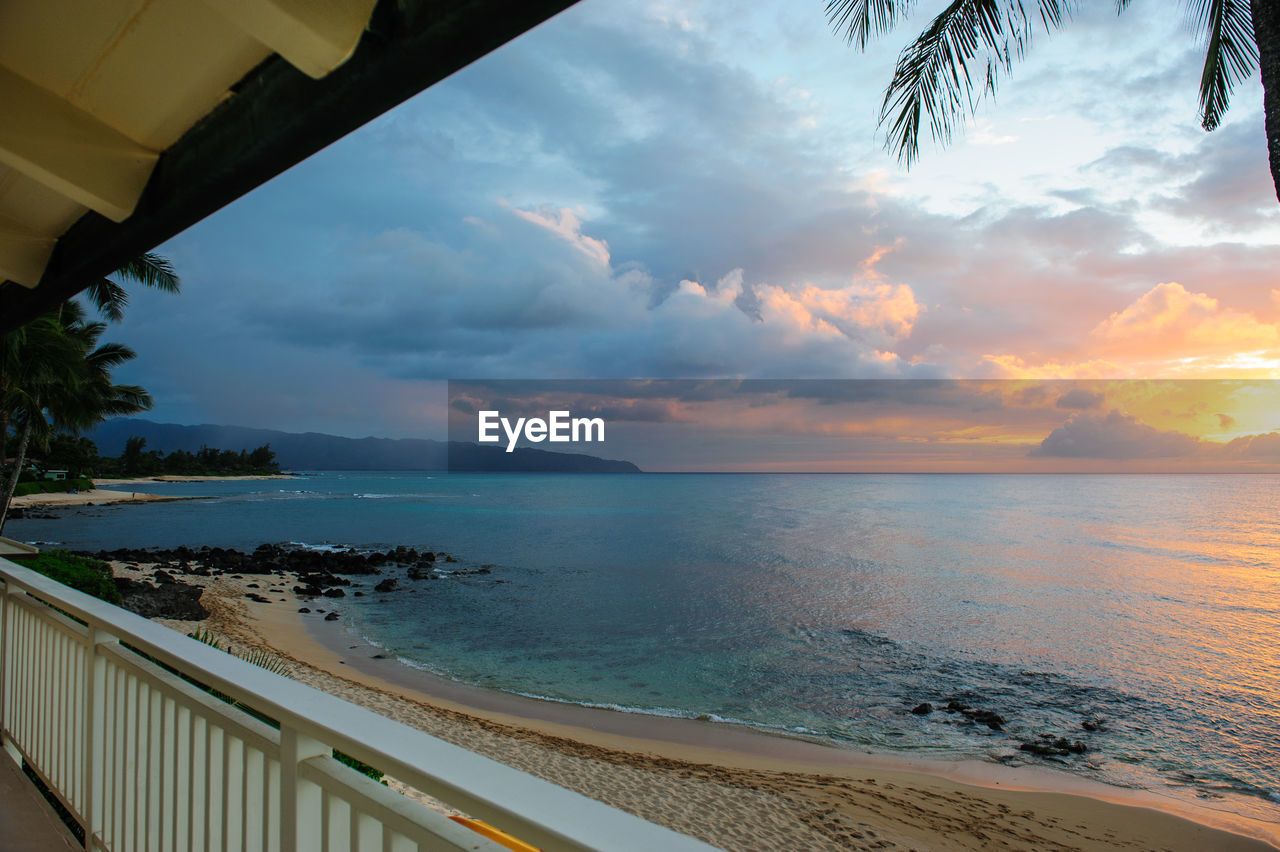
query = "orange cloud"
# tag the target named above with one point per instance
(1177, 323)
(1013, 367)
(888, 308)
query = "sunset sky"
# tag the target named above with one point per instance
(899, 425)
(698, 190)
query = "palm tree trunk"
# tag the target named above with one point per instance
(1266, 31)
(17, 472)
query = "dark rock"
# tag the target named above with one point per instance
(162, 577)
(334, 593)
(421, 571)
(379, 656)
(1094, 724)
(992, 720)
(358, 594)
(388, 585)
(252, 586)
(175, 599)
(257, 598)
(304, 609)
(308, 591)
(922, 709)
(333, 616)
(1048, 746)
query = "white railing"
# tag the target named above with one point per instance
(144, 760)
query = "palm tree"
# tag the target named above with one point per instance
(58, 378)
(110, 299)
(960, 56)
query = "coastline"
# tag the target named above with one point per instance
(729, 785)
(104, 491)
(97, 496)
(175, 478)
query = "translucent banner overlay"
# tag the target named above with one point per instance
(865, 426)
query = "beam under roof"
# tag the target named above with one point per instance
(278, 117)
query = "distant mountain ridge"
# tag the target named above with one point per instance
(317, 451)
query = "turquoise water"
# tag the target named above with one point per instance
(825, 605)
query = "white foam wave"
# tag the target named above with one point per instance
(320, 548)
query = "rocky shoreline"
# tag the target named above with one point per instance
(167, 584)
(151, 580)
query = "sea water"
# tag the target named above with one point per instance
(827, 606)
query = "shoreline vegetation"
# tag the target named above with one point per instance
(731, 786)
(104, 491)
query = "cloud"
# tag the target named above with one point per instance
(1113, 436)
(567, 225)
(1171, 318)
(1264, 447)
(632, 191)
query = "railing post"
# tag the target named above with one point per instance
(95, 734)
(4, 657)
(299, 804)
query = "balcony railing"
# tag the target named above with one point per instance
(145, 760)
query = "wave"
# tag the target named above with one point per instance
(320, 548)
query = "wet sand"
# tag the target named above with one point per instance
(731, 786)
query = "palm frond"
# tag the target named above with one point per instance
(109, 298)
(259, 657)
(119, 400)
(208, 638)
(935, 74)
(862, 19)
(264, 659)
(1231, 53)
(152, 270)
(109, 355)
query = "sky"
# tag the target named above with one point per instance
(886, 425)
(699, 190)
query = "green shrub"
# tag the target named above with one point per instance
(358, 765)
(91, 576)
(48, 486)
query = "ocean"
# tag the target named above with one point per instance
(1135, 614)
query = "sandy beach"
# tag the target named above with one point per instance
(96, 496)
(730, 786)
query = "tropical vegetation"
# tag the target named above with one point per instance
(55, 375)
(91, 576)
(959, 57)
(78, 457)
(136, 460)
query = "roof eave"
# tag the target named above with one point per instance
(277, 118)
